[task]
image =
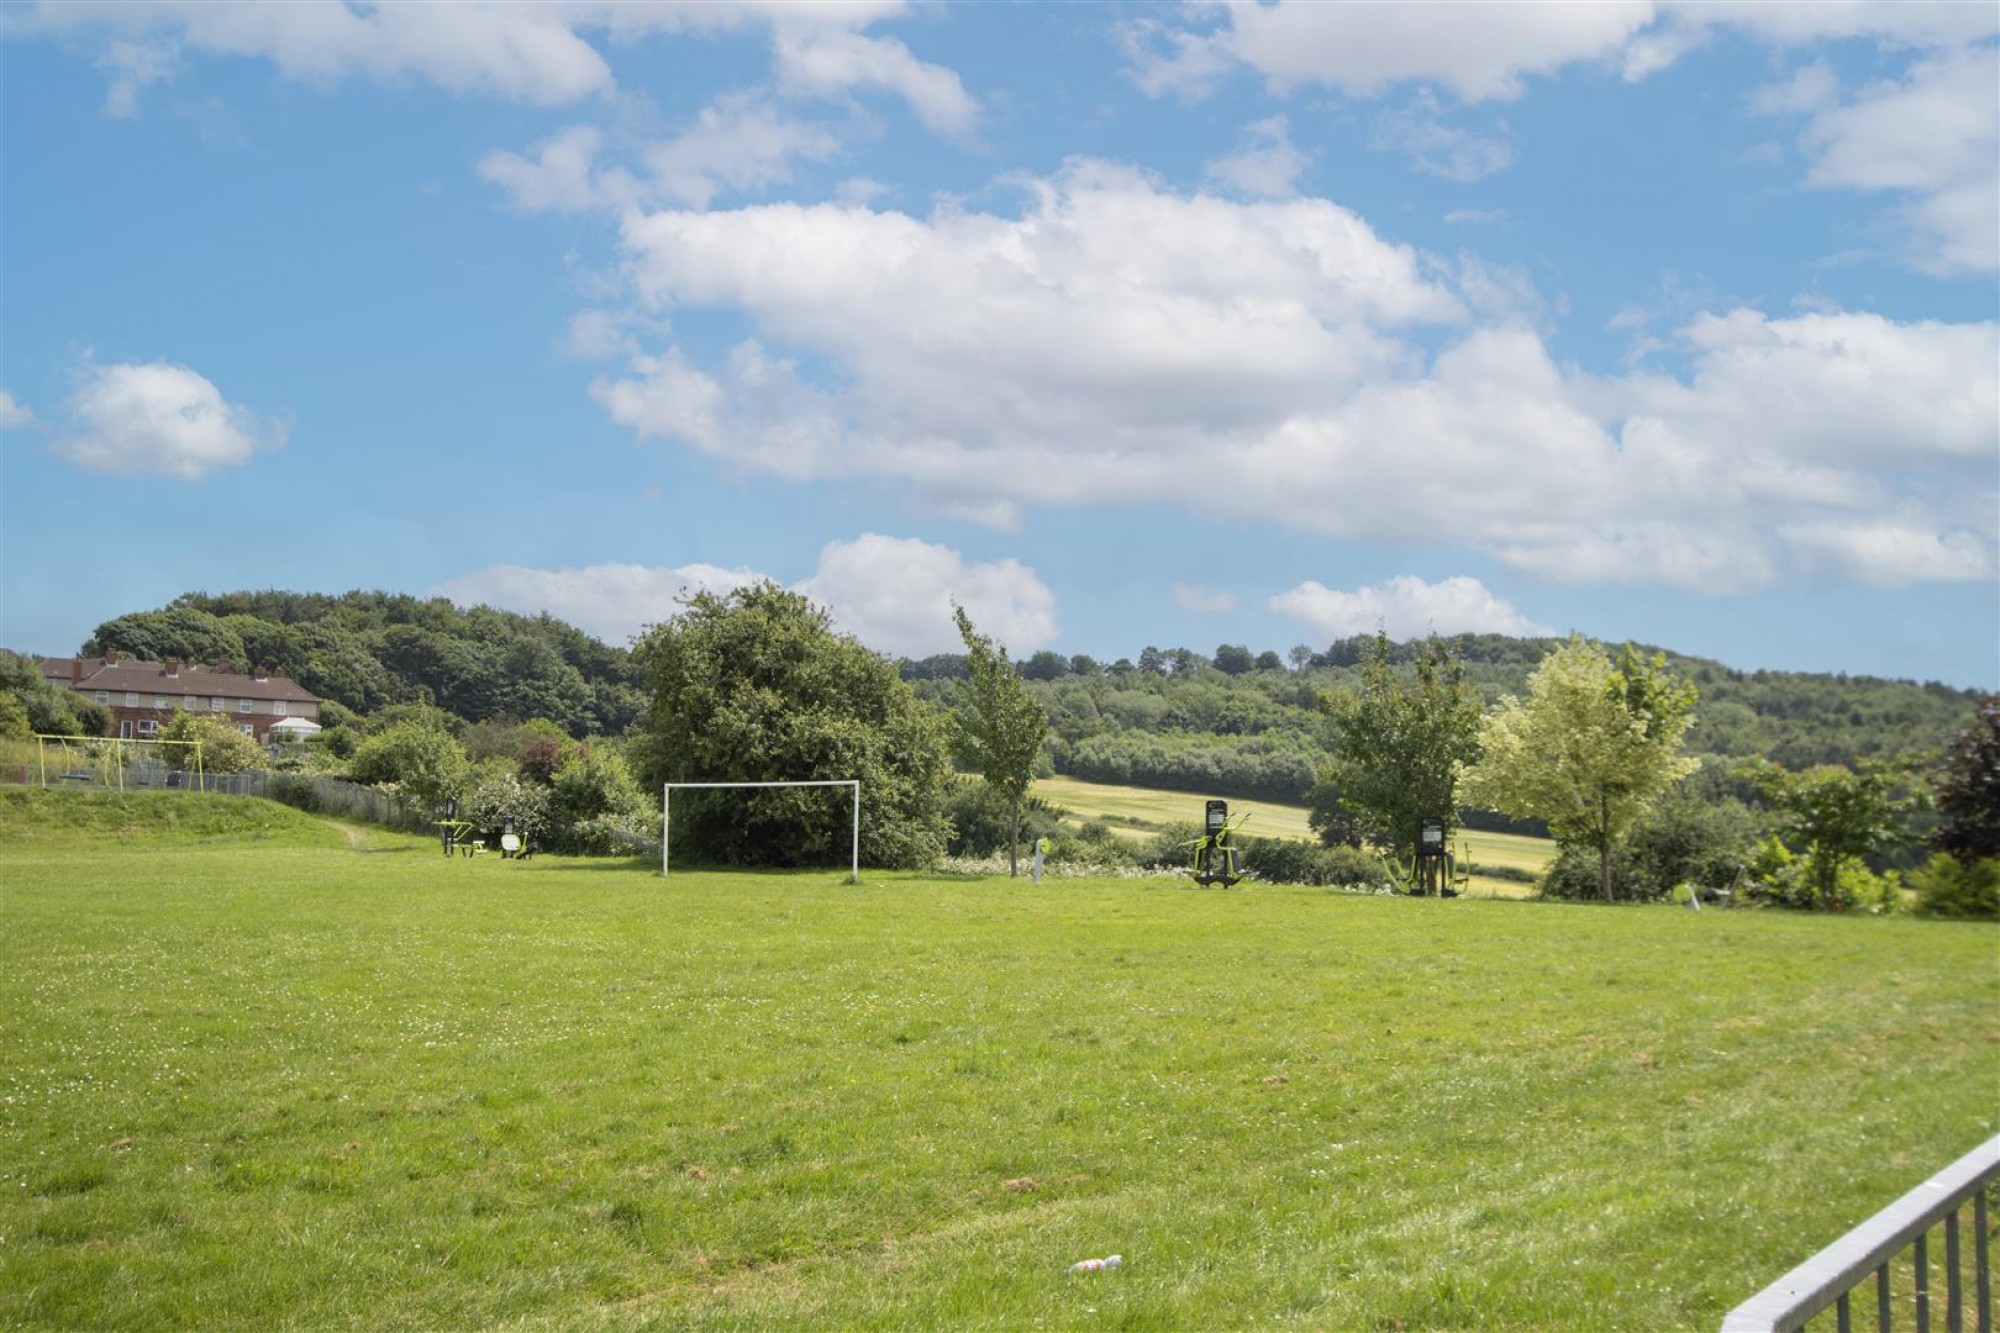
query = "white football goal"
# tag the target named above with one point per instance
(667, 815)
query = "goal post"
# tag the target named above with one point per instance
(667, 814)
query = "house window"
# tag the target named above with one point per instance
(102, 697)
(242, 705)
(159, 701)
(247, 729)
(131, 698)
(278, 707)
(218, 703)
(190, 702)
(147, 726)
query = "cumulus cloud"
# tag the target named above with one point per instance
(1112, 340)
(742, 143)
(613, 602)
(14, 414)
(1404, 607)
(896, 594)
(161, 419)
(1266, 166)
(1488, 52)
(893, 594)
(1932, 136)
(540, 54)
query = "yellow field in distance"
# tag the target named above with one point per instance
(1139, 812)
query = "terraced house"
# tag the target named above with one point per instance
(143, 696)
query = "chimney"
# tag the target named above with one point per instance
(279, 673)
(76, 671)
(260, 674)
(173, 668)
(111, 657)
(222, 667)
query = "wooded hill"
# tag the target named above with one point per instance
(1244, 725)
(1231, 723)
(366, 650)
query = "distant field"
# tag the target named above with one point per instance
(263, 1072)
(1138, 813)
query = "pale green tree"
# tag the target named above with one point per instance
(998, 729)
(1589, 750)
(418, 754)
(224, 749)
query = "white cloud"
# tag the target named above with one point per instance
(1893, 551)
(612, 602)
(1933, 136)
(535, 53)
(741, 143)
(160, 419)
(1194, 597)
(1486, 52)
(1461, 217)
(825, 62)
(1404, 607)
(1112, 342)
(893, 594)
(14, 414)
(1438, 149)
(1267, 166)
(896, 594)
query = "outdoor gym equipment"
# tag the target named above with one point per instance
(1214, 858)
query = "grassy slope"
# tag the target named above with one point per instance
(1139, 812)
(261, 1084)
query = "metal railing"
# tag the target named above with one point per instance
(1833, 1276)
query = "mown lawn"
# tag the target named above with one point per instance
(266, 1079)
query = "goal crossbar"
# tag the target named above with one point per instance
(667, 814)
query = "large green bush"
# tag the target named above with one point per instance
(1950, 887)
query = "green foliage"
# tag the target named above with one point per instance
(983, 820)
(596, 809)
(997, 729)
(1234, 659)
(50, 710)
(14, 723)
(419, 755)
(499, 801)
(1836, 817)
(1399, 742)
(1289, 861)
(369, 650)
(1589, 750)
(756, 686)
(1952, 886)
(1968, 788)
(224, 749)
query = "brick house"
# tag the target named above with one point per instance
(144, 696)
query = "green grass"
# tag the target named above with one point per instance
(264, 1079)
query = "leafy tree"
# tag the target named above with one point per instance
(755, 686)
(500, 801)
(1968, 788)
(1233, 659)
(1045, 665)
(184, 632)
(1835, 816)
(1589, 750)
(420, 755)
(1300, 657)
(1950, 887)
(224, 749)
(14, 717)
(1268, 660)
(998, 731)
(1399, 741)
(1152, 661)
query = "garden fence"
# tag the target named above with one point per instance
(1834, 1276)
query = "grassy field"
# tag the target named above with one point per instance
(265, 1072)
(1138, 813)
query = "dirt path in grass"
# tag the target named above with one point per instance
(357, 841)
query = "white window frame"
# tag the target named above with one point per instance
(131, 698)
(218, 704)
(278, 707)
(147, 726)
(242, 705)
(102, 696)
(247, 730)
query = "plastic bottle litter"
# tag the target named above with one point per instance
(1097, 1265)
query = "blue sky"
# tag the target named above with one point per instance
(1121, 325)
